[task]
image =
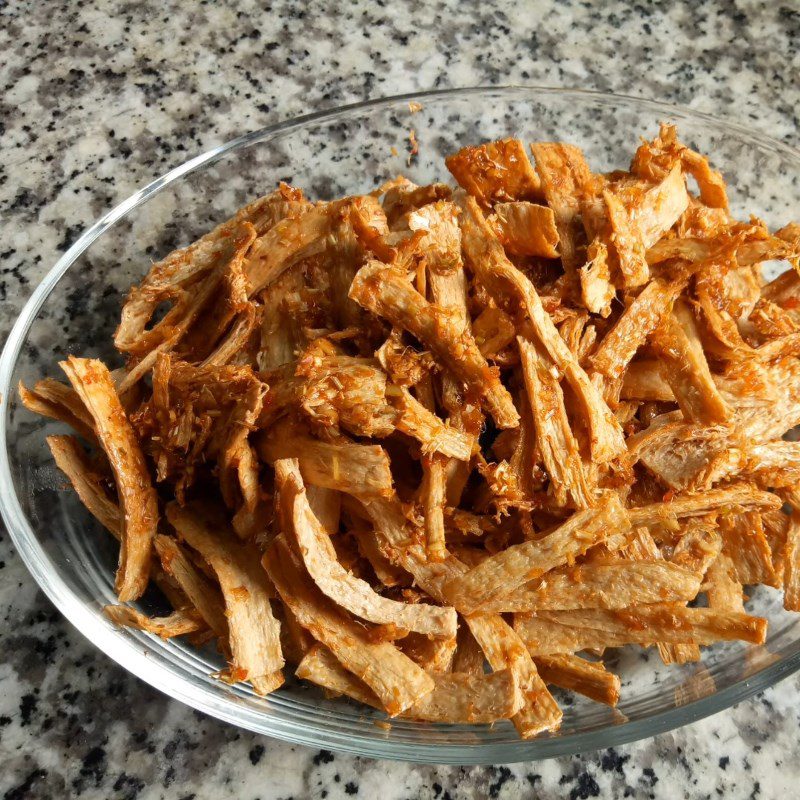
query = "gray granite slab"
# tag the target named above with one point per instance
(97, 99)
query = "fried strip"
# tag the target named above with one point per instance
(627, 240)
(92, 382)
(498, 275)
(554, 632)
(745, 543)
(51, 398)
(621, 584)
(432, 433)
(631, 330)
(72, 460)
(464, 699)
(394, 678)
(722, 586)
(469, 658)
(253, 630)
(334, 581)
(701, 503)
(588, 678)
(340, 391)
(386, 292)
(644, 381)
(500, 574)
(791, 555)
(178, 623)
(566, 182)
(202, 594)
(526, 229)
(341, 465)
(505, 651)
(495, 171)
(295, 237)
(597, 291)
(555, 441)
(433, 491)
(470, 699)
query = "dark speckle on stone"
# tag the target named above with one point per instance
(586, 787)
(323, 757)
(256, 754)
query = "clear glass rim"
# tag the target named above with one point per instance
(160, 673)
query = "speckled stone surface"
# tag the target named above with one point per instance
(99, 98)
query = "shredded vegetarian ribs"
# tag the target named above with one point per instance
(441, 448)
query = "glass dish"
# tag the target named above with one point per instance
(75, 310)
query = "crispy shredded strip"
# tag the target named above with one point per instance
(334, 581)
(385, 291)
(202, 594)
(567, 183)
(619, 584)
(87, 481)
(552, 632)
(589, 678)
(455, 698)
(633, 327)
(495, 171)
(499, 575)
(505, 651)
(702, 503)
(685, 368)
(51, 398)
(253, 630)
(93, 384)
(555, 441)
(394, 678)
(178, 623)
(499, 275)
(526, 229)
(342, 465)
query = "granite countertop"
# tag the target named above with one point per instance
(98, 99)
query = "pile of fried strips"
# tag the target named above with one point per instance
(390, 438)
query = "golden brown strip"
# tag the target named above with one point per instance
(51, 398)
(465, 699)
(334, 581)
(701, 503)
(526, 229)
(498, 275)
(394, 678)
(495, 171)
(684, 365)
(253, 630)
(589, 678)
(501, 574)
(553, 632)
(385, 291)
(621, 584)
(631, 330)
(722, 586)
(202, 594)
(566, 182)
(342, 465)
(178, 623)
(505, 651)
(88, 483)
(93, 384)
(432, 433)
(557, 445)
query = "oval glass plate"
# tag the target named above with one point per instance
(353, 149)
